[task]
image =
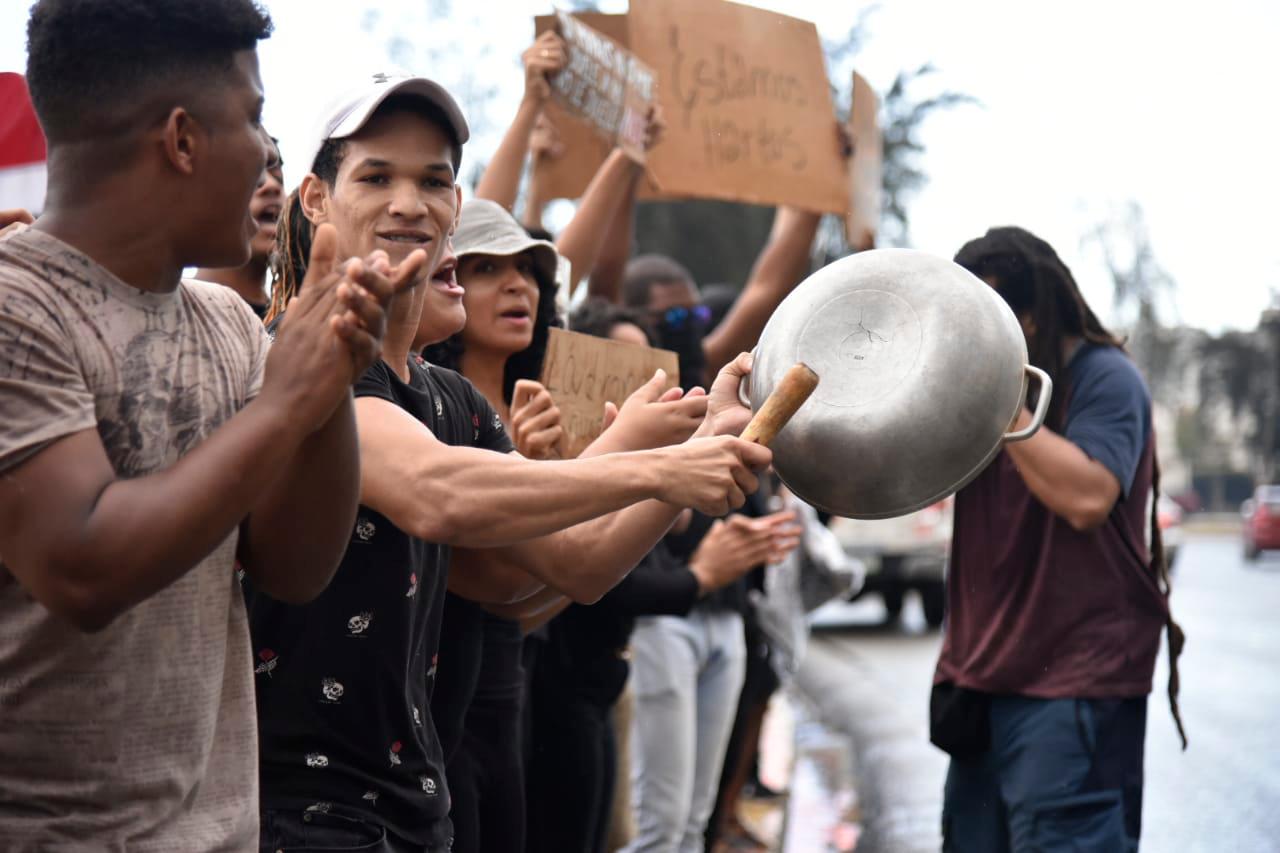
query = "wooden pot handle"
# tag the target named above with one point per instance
(796, 386)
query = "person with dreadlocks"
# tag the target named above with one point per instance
(1055, 601)
(349, 749)
(250, 280)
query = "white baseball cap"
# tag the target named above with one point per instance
(350, 111)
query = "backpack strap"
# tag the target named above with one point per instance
(1156, 575)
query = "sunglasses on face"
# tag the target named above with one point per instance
(677, 318)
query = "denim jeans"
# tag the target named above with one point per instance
(1061, 775)
(687, 674)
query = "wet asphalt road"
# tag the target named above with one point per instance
(871, 682)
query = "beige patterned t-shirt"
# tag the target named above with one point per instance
(141, 736)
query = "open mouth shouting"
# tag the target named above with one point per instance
(445, 278)
(268, 217)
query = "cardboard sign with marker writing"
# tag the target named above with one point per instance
(863, 221)
(747, 104)
(604, 85)
(582, 372)
(585, 149)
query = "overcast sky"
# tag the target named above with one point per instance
(1085, 107)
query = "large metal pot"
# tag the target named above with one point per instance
(922, 371)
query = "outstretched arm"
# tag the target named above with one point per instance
(585, 561)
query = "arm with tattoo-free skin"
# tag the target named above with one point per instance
(649, 418)
(501, 179)
(606, 279)
(1063, 477)
(89, 546)
(586, 560)
(778, 269)
(477, 499)
(611, 190)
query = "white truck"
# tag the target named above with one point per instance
(901, 554)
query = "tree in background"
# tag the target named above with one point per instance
(1224, 389)
(1139, 288)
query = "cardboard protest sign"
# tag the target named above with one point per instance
(747, 104)
(604, 85)
(863, 221)
(585, 148)
(582, 372)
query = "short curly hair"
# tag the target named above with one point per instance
(91, 63)
(644, 271)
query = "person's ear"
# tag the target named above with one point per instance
(315, 199)
(181, 137)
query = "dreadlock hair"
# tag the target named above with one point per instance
(290, 256)
(1032, 279)
(101, 71)
(1028, 274)
(597, 317)
(526, 364)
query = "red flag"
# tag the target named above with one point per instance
(22, 147)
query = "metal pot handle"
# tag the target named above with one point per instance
(744, 392)
(1042, 405)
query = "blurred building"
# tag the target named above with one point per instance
(1217, 409)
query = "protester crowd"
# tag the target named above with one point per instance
(291, 554)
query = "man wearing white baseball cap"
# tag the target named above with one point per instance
(349, 752)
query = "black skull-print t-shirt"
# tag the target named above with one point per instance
(344, 683)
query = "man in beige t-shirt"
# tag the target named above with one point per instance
(149, 437)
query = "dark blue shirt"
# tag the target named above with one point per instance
(1108, 410)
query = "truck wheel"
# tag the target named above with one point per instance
(893, 601)
(934, 599)
(1250, 551)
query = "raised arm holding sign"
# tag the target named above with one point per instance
(604, 85)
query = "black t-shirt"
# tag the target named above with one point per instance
(344, 683)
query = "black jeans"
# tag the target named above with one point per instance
(486, 772)
(291, 831)
(571, 775)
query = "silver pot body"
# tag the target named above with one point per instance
(922, 370)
